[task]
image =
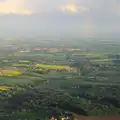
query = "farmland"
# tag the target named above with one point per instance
(9, 73)
(86, 75)
(52, 66)
(4, 88)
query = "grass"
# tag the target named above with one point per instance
(16, 80)
(43, 55)
(52, 66)
(89, 54)
(24, 61)
(9, 73)
(34, 54)
(5, 61)
(101, 60)
(20, 65)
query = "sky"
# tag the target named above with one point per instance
(60, 17)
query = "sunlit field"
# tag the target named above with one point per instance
(24, 61)
(52, 66)
(4, 88)
(9, 73)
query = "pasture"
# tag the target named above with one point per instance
(101, 60)
(89, 54)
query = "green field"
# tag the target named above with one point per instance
(101, 60)
(91, 54)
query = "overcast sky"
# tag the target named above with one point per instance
(63, 17)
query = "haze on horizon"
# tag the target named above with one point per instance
(59, 17)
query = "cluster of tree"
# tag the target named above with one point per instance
(25, 99)
(30, 99)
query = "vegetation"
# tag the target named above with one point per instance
(80, 79)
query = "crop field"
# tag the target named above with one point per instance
(9, 73)
(89, 54)
(20, 65)
(34, 54)
(24, 61)
(4, 61)
(18, 80)
(2, 88)
(101, 60)
(52, 66)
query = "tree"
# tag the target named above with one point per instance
(118, 57)
(83, 67)
(68, 56)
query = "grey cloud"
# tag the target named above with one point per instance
(102, 17)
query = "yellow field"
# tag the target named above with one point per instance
(9, 73)
(52, 66)
(4, 88)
